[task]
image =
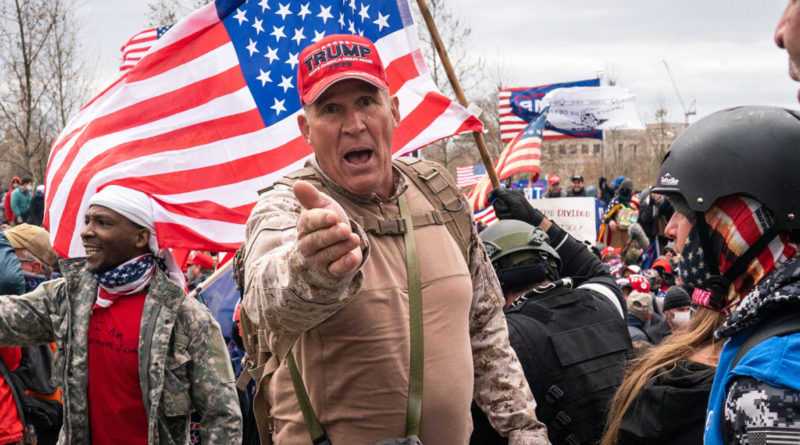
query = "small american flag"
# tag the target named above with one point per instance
(486, 216)
(517, 108)
(469, 175)
(137, 46)
(522, 154)
(209, 116)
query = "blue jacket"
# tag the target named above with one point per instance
(20, 201)
(775, 361)
(11, 280)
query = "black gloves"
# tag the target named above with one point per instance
(511, 204)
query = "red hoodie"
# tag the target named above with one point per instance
(7, 200)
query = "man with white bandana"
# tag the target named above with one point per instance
(134, 356)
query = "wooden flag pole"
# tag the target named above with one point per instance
(448, 67)
(201, 287)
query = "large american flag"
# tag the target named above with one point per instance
(522, 154)
(469, 175)
(517, 108)
(209, 116)
(137, 46)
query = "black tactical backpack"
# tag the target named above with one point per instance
(573, 346)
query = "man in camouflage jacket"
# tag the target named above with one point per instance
(183, 364)
(337, 289)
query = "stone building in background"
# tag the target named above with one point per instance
(635, 154)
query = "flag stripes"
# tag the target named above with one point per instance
(186, 126)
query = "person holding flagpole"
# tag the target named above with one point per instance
(370, 282)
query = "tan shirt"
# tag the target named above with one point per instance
(353, 344)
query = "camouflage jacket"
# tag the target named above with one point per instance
(291, 298)
(183, 361)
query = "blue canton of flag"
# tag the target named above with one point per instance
(268, 36)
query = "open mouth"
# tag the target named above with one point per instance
(358, 157)
(90, 250)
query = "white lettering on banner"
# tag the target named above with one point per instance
(575, 215)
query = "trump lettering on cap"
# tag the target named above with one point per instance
(336, 58)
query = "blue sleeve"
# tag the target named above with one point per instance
(11, 280)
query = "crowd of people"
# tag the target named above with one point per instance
(374, 312)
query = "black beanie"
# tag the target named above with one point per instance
(676, 297)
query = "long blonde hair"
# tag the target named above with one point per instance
(681, 345)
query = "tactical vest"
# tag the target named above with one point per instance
(449, 209)
(573, 346)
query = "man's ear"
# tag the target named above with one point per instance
(396, 109)
(142, 240)
(302, 123)
(37, 267)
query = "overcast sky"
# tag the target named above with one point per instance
(721, 52)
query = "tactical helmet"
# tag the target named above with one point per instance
(523, 241)
(748, 150)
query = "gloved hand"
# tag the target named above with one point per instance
(511, 204)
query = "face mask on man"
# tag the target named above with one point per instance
(28, 187)
(681, 318)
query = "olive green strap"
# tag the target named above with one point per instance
(415, 317)
(318, 434)
(416, 362)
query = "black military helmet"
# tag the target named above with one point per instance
(749, 150)
(511, 242)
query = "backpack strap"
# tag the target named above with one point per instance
(449, 204)
(776, 325)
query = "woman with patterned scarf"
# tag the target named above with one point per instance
(732, 180)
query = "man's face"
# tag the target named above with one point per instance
(28, 262)
(350, 127)
(678, 230)
(670, 314)
(555, 187)
(577, 185)
(787, 36)
(110, 239)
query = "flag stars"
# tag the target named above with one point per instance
(258, 26)
(304, 11)
(286, 83)
(283, 11)
(277, 33)
(382, 22)
(264, 77)
(272, 54)
(278, 106)
(252, 47)
(363, 12)
(264, 5)
(240, 16)
(352, 27)
(298, 36)
(318, 36)
(341, 19)
(325, 14)
(353, 5)
(293, 60)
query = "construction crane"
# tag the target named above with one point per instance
(686, 111)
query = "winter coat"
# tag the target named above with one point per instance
(20, 202)
(183, 364)
(670, 408)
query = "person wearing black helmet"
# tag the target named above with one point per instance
(570, 334)
(731, 178)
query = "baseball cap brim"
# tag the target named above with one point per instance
(314, 92)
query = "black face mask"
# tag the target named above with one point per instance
(517, 277)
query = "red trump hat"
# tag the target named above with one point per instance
(338, 57)
(201, 259)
